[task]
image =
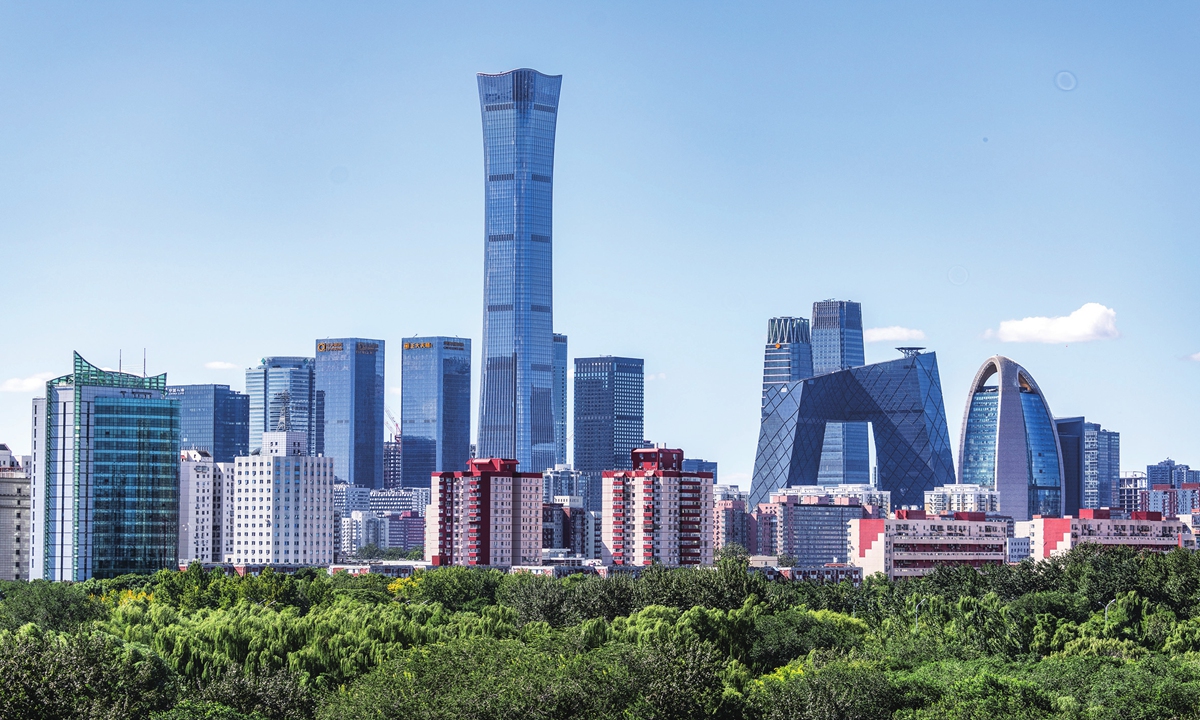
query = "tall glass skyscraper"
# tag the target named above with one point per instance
(788, 356)
(348, 403)
(277, 386)
(609, 417)
(560, 399)
(1011, 444)
(105, 476)
(435, 407)
(837, 344)
(213, 418)
(516, 413)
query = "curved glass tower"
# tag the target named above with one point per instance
(516, 404)
(1009, 441)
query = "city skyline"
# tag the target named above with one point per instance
(924, 211)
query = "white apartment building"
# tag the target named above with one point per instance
(282, 508)
(963, 497)
(199, 484)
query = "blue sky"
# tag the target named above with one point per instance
(216, 182)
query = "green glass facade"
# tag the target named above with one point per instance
(109, 483)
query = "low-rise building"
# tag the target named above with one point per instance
(912, 543)
(15, 517)
(1143, 530)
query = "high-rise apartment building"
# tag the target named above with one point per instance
(732, 522)
(963, 497)
(1168, 472)
(560, 399)
(837, 344)
(214, 419)
(282, 505)
(393, 464)
(281, 387)
(15, 517)
(1131, 492)
(435, 407)
(489, 515)
(1101, 466)
(814, 529)
(656, 513)
(105, 475)
(516, 404)
(562, 480)
(348, 402)
(789, 353)
(609, 416)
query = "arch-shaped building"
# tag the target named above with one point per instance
(1009, 441)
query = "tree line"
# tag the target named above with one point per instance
(1099, 633)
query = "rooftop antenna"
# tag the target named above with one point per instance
(143, 362)
(910, 352)
(119, 361)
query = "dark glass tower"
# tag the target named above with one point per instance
(560, 399)
(435, 407)
(609, 417)
(516, 413)
(788, 356)
(348, 398)
(277, 386)
(213, 418)
(837, 344)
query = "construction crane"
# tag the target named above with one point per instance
(395, 425)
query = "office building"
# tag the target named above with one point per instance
(1131, 491)
(200, 487)
(902, 398)
(912, 543)
(1168, 472)
(1010, 443)
(560, 399)
(813, 528)
(609, 416)
(562, 480)
(15, 517)
(105, 476)
(348, 415)
(406, 529)
(788, 356)
(435, 407)
(698, 465)
(963, 497)
(282, 506)
(1051, 537)
(348, 498)
(489, 515)
(516, 416)
(837, 344)
(657, 514)
(398, 501)
(393, 467)
(214, 419)
(281, 386)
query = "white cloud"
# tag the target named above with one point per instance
(1194, 356)
(220, 365)
(656, 376)
(895, 333)
(32, 383)
(1093, 321)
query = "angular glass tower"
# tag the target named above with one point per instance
(609, 417)
(276, 386)
(435, 407)
(106, 476)
(348, 408)
(213, 418)
(516, 403)
(901, 398)
(1010, 442)
(837, 344)
(560, 399)
(788, 356)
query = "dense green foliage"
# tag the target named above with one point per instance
(1097, 634)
